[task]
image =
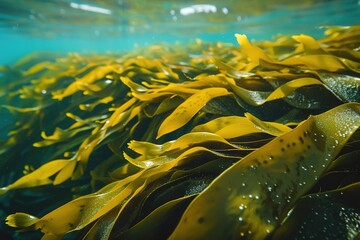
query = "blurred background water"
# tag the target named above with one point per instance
(116, 25)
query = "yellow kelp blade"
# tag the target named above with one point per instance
(253, 52)
(102, 228)
(40, 176)
(166, 105)
(309, 44)
(84, 210)
(272, 128)
(151, 161)
(147, 148)
(24, 220)
(95, 74)
(199, 138)
(315, 58)
(250, 199)
(186, 110)
(117, 121)
(323, 62)
(59, 135)
(231, 71)
(80, 212)
(89, 107)
(155, 154)
(39, 67)
(254, 98)
(236, 126)
(290, 87)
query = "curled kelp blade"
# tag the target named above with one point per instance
(158, 215)
(83, 211)
(80, 212)
(159, 223)
(41, 176)
(236, 126)
(250, 199)
(345, 87)
(186, 110)
(311, 56)
(326, 215)
(157, 154)
(102, 228)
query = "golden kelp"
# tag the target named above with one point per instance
(199, 141)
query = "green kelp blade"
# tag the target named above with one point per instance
(160, 221)
(80, 212)
(346, 161)
(250, 199)
(102, 228)
(345, 87)
(254, 98)
(165, 105)
(159, 216)
(327, 215)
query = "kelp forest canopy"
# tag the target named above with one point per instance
(197, 141)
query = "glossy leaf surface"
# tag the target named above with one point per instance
(206, 139)
(250, 199)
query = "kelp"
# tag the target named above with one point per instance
(250, 199)
(330, 214)
(199, 141)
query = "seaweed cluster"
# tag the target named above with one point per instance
(204, 141)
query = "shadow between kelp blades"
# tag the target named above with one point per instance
(250, 199)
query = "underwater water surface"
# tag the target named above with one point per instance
(99, 26)
(136, 119)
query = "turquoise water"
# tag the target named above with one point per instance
(100, 26)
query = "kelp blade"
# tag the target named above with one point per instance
(326, 215)
(157, 96)
(250, 199)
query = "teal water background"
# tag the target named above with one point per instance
(100, 26)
